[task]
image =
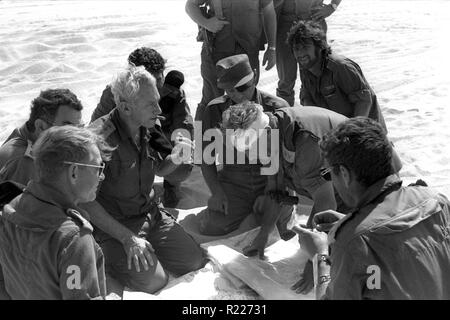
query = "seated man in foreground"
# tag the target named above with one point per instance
(53, 107)
(134, 229)
(235, 188)
(176, 115)
(395, 244)
(48, 251)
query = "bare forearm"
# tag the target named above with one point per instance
(323, 273)
(195, 14)
(103, 220)
(270, 24)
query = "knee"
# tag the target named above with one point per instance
(197, 260)
(149, 282)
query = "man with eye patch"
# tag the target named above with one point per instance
(329, 80)
(235, 187)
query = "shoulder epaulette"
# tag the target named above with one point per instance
(80, 220)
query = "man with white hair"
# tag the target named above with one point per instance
(135, 229)
(48, 251)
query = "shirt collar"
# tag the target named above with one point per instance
(49, 194)
(373, 192)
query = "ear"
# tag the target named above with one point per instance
(125, 107)
(40, 126)
(72, 174)
(346, 175)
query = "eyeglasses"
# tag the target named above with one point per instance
(100, 167)
(326, 173)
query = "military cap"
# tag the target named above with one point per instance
(233, 71)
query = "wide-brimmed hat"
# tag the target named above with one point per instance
(233, 71)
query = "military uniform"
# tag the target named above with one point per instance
(289, 11)
(242, 35)
(127, 195)
(405, 231)
(242, 183)
(16, 162)
(339, 87)
(48, 251)
(301, 130)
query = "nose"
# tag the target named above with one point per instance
(158, 109)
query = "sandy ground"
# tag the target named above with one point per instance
(400, 45)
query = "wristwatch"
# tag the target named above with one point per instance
(333, 5)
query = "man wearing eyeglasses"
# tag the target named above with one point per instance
(140, 239)
(234, 188)
(53, 107)
(48, 251)
(395, 244)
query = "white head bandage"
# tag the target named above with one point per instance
(244, 139)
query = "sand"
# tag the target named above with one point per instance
(401, 46)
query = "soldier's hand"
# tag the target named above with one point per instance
(218, 202)
(306, 282)
(311, 241)
(183, 150)
(215, 25)
(139, 251)
(322, 12)
(257, 246)
(325, 220)
(269, 59)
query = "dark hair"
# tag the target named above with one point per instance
(152, 61)
(46, 106)
(308, 30)
(65, 143)
(361, 145)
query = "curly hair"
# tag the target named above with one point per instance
(46, 105)
(65, 143)
(361, 145)
(308, 30)
(152, 61)
(241, 115)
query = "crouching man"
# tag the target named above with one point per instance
(395, 244)
(48, 251)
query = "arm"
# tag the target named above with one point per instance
(79, 276)
(325, 10)
(352, 82)
(323, 198)
(181, 154)
(212, 24)
(103, 220)
(181, 115)
(136, 248)
(270, 29)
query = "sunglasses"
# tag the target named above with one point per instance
(100, 167)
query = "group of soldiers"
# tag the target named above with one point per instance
(62, 180)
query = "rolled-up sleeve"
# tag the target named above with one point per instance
(352, 82)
